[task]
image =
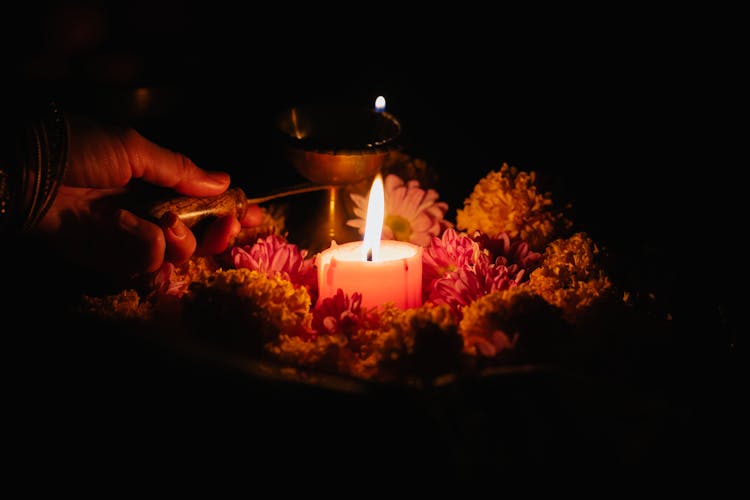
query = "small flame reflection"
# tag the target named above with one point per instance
(380, 104)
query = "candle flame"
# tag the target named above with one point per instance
(380, 104)
(374, 221)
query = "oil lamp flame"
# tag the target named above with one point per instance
(380, 104)
(374, 221)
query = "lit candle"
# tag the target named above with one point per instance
(381, 270)
(380, 104)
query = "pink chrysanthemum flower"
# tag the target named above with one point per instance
(514, 253)
(458, 269)
(447, 253)
(461, 287)
(338, 314)
(411, 213)
(166, 282)
(275, 256)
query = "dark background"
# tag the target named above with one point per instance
(604, 105)
(601, 105)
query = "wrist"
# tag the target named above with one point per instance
(32, 170)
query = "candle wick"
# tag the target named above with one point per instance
(369, 255)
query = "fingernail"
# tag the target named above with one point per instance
(217, 178)
(168, 220)
(178, 229)
(128, 221)
(171, 223)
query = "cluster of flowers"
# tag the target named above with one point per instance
(506, 257)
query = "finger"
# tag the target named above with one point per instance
(218, 235)
(253, 216)
(162, 167)
(144, 248)
(180, 240)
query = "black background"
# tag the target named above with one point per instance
(602, 104)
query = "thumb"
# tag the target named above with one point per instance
(163, 167)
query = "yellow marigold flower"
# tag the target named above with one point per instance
(331, 353)
(124, 305)
(277, 301)
(295, 350)
(569, 276)
(197, 268)
(485, 327)
(401, 329)
(423, 334)
(512, 320)
(439, 316)
(507, 201)
(423, 341)
(351, 352)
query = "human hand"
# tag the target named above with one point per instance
(89, 226)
